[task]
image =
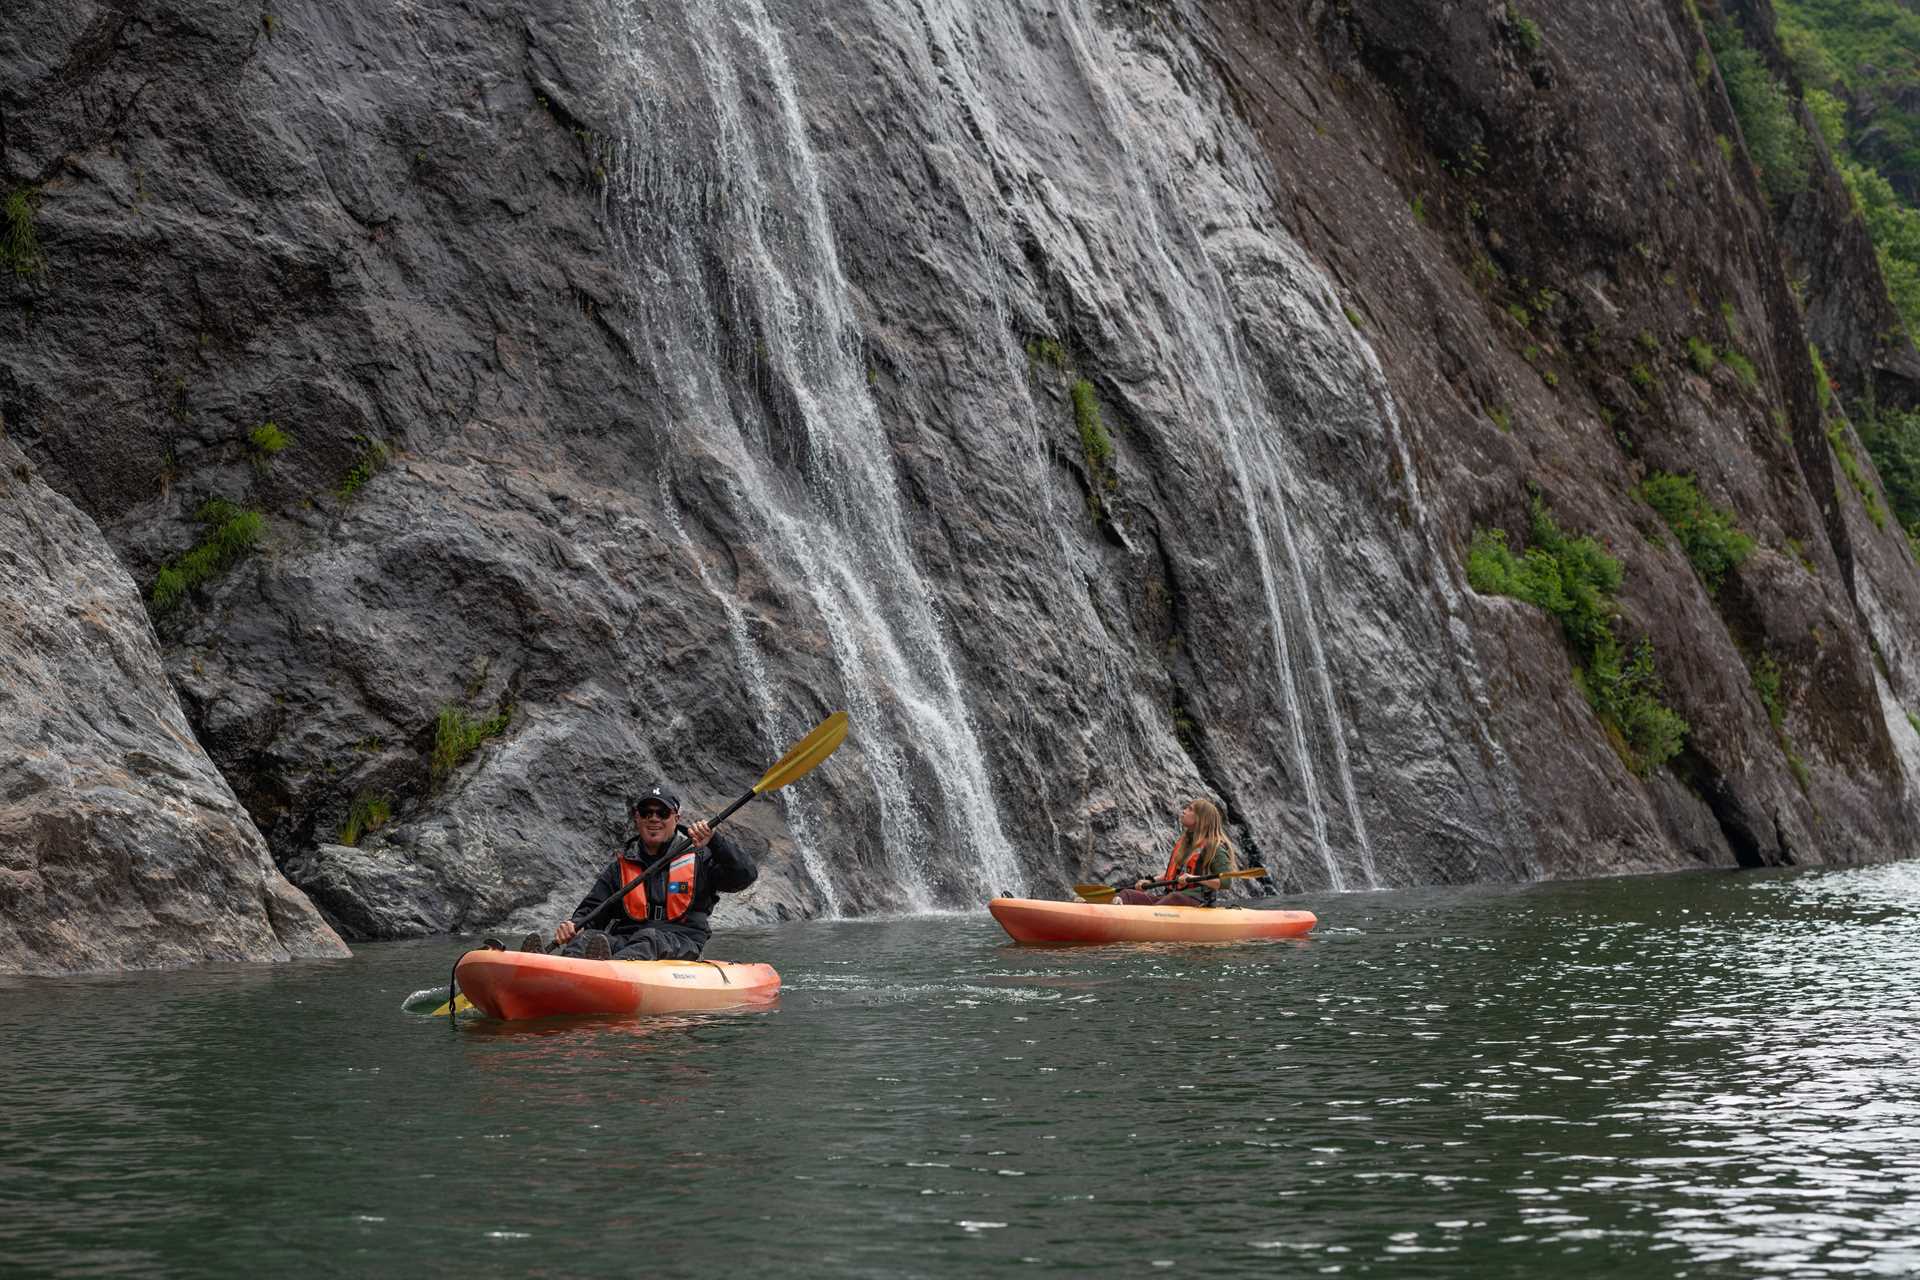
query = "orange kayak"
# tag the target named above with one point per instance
(1030, 920)
(526, 984)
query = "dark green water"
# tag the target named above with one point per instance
(1710, 1075)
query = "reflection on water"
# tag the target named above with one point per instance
(1708, 1075)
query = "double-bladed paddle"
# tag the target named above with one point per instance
(791, 767)
(1105, 892)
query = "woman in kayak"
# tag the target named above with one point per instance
(1199, 857)
(664, 917)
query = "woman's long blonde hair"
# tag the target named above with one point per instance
(1206, 834)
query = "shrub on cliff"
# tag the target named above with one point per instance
(456, 736)
(231, 533)
(1575, 580)
(1708, 534)
(19, 244)
(1892, 440)
(1775, 140)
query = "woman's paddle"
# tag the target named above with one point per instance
(791, 767)
(1104, 893)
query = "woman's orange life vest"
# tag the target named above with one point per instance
(1193, 862)
(679, 887)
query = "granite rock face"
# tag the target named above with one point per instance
(1094, 402)
(121, 846)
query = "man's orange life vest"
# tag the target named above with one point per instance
(679, 887)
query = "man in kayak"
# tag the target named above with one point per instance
(664, 917)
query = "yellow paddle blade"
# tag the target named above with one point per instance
(460, 1005)
(808, 752)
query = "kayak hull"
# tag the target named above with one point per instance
(526, 984)
(1030, 920)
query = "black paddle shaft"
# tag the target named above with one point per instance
(675, 847)
(1161, 884)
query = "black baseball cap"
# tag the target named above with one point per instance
(664, 792)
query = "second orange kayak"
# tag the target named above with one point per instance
(525, 984)
(1031, 920)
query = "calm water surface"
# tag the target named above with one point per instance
(1712, 1075)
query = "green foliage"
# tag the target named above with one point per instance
(1713, 542)
(1353, 317)
(1500, 417)
(1048, 352)
(1766, 682)
(1830, 114)
(1525, 29)
(267, 439)
(1749, 376)
(1822, 384)
(1575, 580)
(231, 533)
(1520, 315)
(1864, 52)
(1914, 720)
(1894, 227)
(455, 737)
(1628, 696)
(1774, 137)
(1418, 205)
(1892, 440)
(1701, 356)
(1647, 341)
(1094, 440)
(1725, 144)
(372, 461)
(1641, 377)
(19, 243)
(368, 813)
(1837, 437)
(1865, 48)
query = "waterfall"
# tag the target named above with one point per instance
(745, 314)
(1201, 310)
(777, 727)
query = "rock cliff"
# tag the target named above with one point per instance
(500, 405)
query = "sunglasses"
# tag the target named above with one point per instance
(653, 811)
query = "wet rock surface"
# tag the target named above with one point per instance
(121, 846)
(657, 382)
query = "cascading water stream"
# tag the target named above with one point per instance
(1251, 439)
(952, 32)
(746, 312)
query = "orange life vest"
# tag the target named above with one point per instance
(1173, 863)
(679, 887)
